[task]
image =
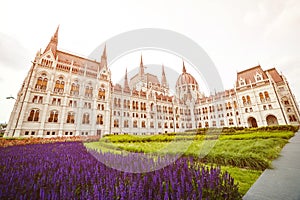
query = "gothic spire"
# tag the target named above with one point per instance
(103, 62)
(104, 52)
(126, 85)
(142, 68)
(52, 45)
(163, 77)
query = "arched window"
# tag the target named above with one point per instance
(242, 82)
(34, 115)
(99, 119)
(88, 91)
(101, 93)
(126, 124)
(258, 77)
(59, 85)
(261, 96)
(74, 89)
(244, 100)
(53, 116)
(135, 124)
(248, 100)
(143, 124)
(71, 118)
(85, 118)
(235, 104)
(41, 84)
(267, 97)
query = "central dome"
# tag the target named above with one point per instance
(185, 78)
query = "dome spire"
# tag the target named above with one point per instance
(183, 67)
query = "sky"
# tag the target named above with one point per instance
(235, 34)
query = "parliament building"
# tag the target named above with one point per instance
(68, 95)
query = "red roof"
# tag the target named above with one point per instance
(249, 75)
(275, 75)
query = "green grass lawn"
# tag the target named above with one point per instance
(243, 154)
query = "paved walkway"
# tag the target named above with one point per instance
(283, 181)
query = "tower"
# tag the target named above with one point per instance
(126, 85)
(103, 63)
(142, 68)
(163, 78)
(52, 45)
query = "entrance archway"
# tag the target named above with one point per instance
(252, 122)
(271, 120)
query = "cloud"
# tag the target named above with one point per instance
(12, 53)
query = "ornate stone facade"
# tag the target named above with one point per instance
(68, 95)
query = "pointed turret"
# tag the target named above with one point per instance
(52, 45)
(183, 67)
(126, 85)
(142, 68)
(163, 77)
(103, 63)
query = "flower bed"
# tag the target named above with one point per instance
(5, 142)
(68, 171)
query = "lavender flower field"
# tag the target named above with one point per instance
(68, 171)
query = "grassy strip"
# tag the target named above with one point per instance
(209, 136)
(253, 154)
(244, 177)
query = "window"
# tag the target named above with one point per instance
(166, 124)
(151, 125)
(261, 97)
(59, 85)
(53, 116)
(101, 93)
(292, 118)
(74, 89)
(41, 84)
(71, 118)
(285, 100)
(270, 106)
(258, 77)
(134, 124)
(85, 118)
(34, 115)
(88, 91)
(143, 124)
(231, 122)
(214, 123)
(222, 122)
(126, 124)
(265, 107)
(116, 123)
(242, 82)
(99, 119)
(235, 104)
(206, 125)
(248, 100)
(244, 100)
(40, 100)
(267, 97)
